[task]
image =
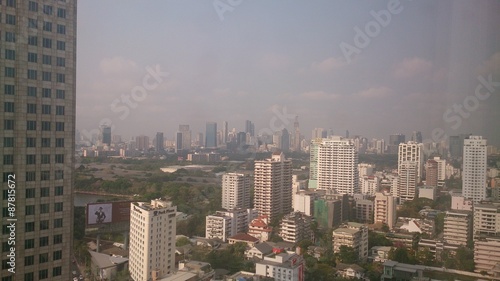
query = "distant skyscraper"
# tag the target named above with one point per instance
(318, 133)
(416, 136)
(285, 140)
(474, 168)
(296, 136)
(346, 134)
(152, 240)
(456, 145)
(394, 141)
(431, 173)
(142, 142)
(336, 165)
(224, 132)
(211, 135)
(159, 142)
(235, 191)
(250, 128)
(185, 138)
(273, 186)
(178, 141)
(106, 135)
(201, 140)
(38, 136)
(242, 138)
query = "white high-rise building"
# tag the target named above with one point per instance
(407, 181)
(365, 169)
(441, 168)
(337, 165)
(369, 185)
(412, 152)
(235, 191)
(273, 186)
(38, 99)
(385, 209)
(380, 146)
(313, 163)
(474, 168)
(224, 224)
(152, 240)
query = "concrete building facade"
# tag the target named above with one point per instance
(152, 239)
(385, 209)
(38, 97)
(235, 191)
(295, 227)
(282, 267)
(354, 235)
(474, 168)
(273, 186)
(458, 227)
(337, 166)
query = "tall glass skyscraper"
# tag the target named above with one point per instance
(37, 143)
(211, 135)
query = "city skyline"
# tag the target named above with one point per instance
(420, 71)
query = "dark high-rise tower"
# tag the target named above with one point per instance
(159, 142)
(285, 140)
(37, 85)
(211, 135)
(416, 136)
(106, 135)
(296, 136)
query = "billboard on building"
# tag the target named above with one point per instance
(108, 212)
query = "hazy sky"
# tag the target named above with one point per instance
(372, 67)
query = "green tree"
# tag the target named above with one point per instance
(304, 244)
(464, 259)
(182, 241)
(402, 255)
(321, 272)
(426, 257)
(439, 223)
(347, 254)
(377, 239)
(123, 275)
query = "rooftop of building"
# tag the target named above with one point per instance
(156, 204)
(381, 248)
(106, 261)
(179, 276)
(344, 266)
(287, 259)
(345, 230)
(244, 237)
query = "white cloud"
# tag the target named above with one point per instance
(274, 61)
(375, 92)
(116, 65)
(319, 95)
(412, 67)
(329, 64)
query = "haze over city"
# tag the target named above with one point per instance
(233, 63)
